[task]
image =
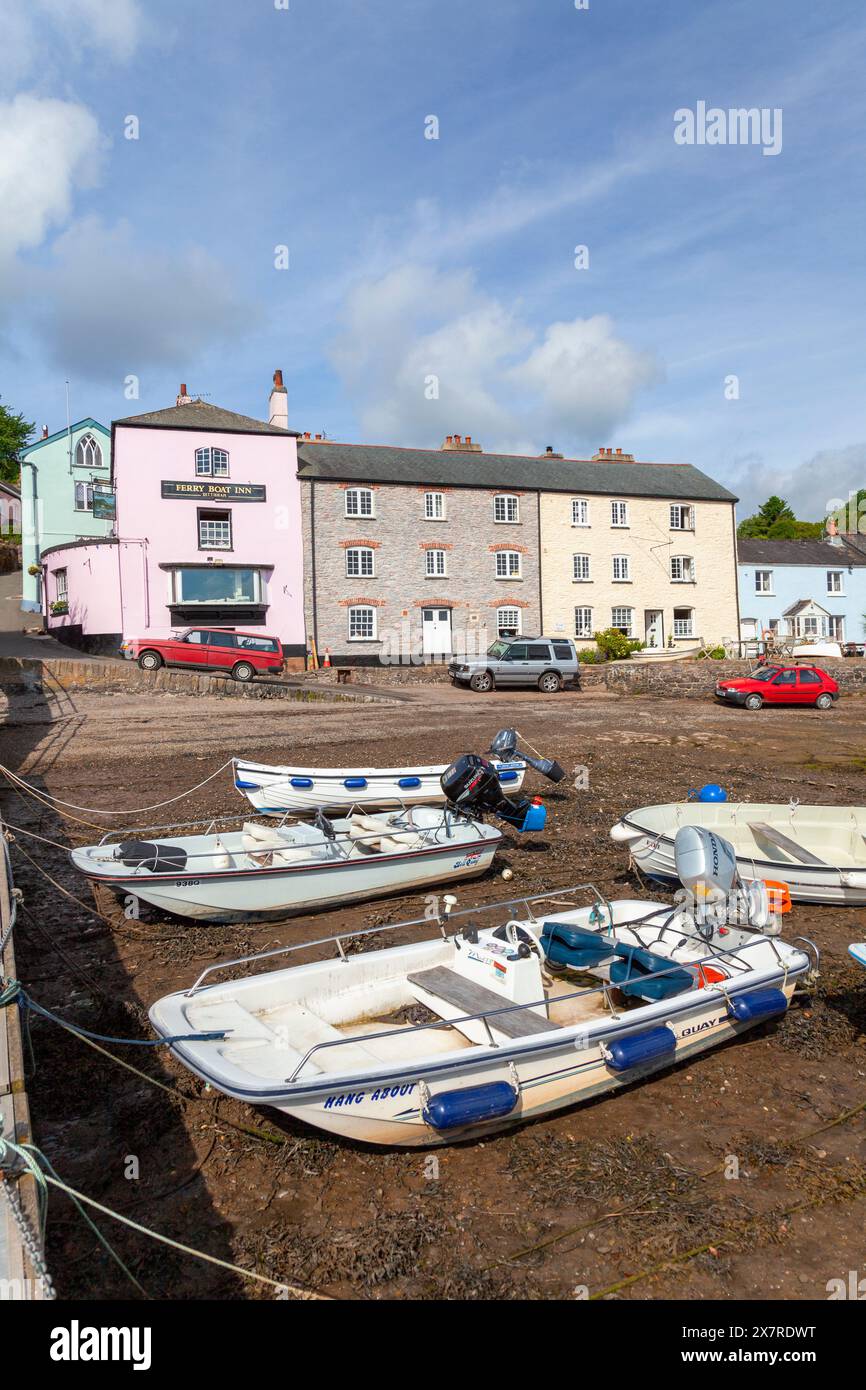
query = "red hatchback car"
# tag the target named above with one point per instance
(780, 685)
(243, 654)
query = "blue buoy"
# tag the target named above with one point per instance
(639, 1048)
(470, 1106)
(712, 792)
(354, 782)
(409, 782)
(302, 781)
(507, 776)
(757, 1005)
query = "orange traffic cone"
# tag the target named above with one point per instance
(327, 661)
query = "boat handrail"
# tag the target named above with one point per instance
(507, 1008)
(391, 927)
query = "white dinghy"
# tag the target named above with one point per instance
(818, 851)
(544, 1007)
(258, 871)
(275, 790)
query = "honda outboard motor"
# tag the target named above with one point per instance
(160, 859)
(471, 785)
(504, 748)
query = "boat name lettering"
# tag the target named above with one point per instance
(701, 1027)
(380, 1093)
(187, 883)
(466, 861)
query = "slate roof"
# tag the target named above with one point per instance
(379, 463)
(199, 415)
(818, 553)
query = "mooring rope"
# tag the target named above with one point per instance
(100, 811)
(13, 992)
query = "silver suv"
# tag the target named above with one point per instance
(546, 662)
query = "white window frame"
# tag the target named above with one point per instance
(436, 568)
(682, 569)
(618, 513)
(61, 586)
(579, 511)
(760, 587)
(627, 623)
(207, 539)
(682, 516)
(623, 564)
(434, 506)
(360, 551)
(811, 625)
(87, 489)
(505, 557)
(211, 463)
(581, 569)
(839, 576)
(510, 504)
(88, 452)
(684, 627)
(500, 624)
(363, 636)
(360, 493)
(586, 629)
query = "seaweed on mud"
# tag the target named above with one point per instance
(376, 1252)
(833, 1019)
(482, 1285)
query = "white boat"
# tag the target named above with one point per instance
(542, 1009)
(821, 649)
(858, 951)
(661, 654)
(818, 851)
(259, 871)
(275, 790)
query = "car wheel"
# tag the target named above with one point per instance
(150, 661)
(824, 701)
(550, 682)
(482, 681)
(754, 701)
(243, 671)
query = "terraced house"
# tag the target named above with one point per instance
(415, 554)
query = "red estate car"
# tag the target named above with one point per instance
(243, 654)
(780, 685)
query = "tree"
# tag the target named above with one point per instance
(15, 434)
(775, 521)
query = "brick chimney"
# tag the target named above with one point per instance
(465, 446)
(278, 404)
(550, 453)
(182, 397)
(608, 456)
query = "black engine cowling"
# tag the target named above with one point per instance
(471, 785)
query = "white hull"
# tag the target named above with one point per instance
(816, 651)
(834, 836)
(305, 873)
(275, 790)
(662, 654)
(306, 1041)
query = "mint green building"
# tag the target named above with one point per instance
(59, 475)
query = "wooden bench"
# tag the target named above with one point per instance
(469, 998)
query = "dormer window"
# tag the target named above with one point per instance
(211, 463)
(88, 452)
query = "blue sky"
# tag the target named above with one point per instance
(452, 258)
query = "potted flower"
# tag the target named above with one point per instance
(59, 606)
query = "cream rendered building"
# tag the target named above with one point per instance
(646, 548)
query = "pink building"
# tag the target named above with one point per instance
(207, 529)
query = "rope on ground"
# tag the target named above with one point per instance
(85, 907)
(98, 810)
(12, 991)
(45, 1176)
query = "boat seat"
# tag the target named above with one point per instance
(639, 972)
(575, 947)
(469, 998)
(776, 837)
(298, 1029)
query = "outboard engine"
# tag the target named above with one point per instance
(504, 748)
(706, 866)
(471, 785)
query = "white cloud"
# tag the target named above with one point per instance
(113, 308)
(48, 150)
(40, 34)
(498, 379)
(826, 478)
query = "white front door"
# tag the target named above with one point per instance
(436, 631)
(654, 628)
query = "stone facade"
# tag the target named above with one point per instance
(678, 583)
(458, 582)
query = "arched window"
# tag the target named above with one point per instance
(211, 463)
(88, 452)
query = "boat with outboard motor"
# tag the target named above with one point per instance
(275, 790)
(818, 852)
(858, 951)
(551, 1004)
(250, 872)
